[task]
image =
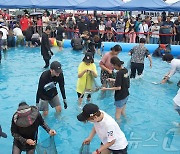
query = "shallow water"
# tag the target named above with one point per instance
(150, 112)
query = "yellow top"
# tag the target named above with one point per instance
(86, 81)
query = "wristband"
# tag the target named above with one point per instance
(98, 152)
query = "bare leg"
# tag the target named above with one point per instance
(118, 113)
(58, 109)
(45, 113)
(123, 111)
(80, 100)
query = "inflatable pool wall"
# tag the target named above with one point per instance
(126, 47)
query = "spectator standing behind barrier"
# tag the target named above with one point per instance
(45, 21)
(120, 25)
(177, 30)
(24, 128)
(24, 23)
(154, 29)
(83, 25)
(47, 92)
(138, 53)
(112, 138)
(143, 28)
(102, 28)
(175, 67)
(167, 29)
(70, 22)
(45, 46)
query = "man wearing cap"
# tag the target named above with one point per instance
(175, 66)
(47, 91)
(45, 46)
(24, 128)
(112, 138)
(2, 134)
(162, 50)
(86, 74)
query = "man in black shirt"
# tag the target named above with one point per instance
(47, 91)
(45, 46)
(121, 87)
(24, 128)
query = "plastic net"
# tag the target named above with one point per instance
(84, 149)
(47, 146)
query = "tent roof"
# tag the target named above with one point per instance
(57, 4)
(145, 5)
(175, 6)
(18, 3)
(100, 5)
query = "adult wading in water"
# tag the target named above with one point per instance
(45, 47)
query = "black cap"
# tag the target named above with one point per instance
(55, 65)
(88, 58)
(117, 47)
(88, 111)
(167, 57)
(2, 134)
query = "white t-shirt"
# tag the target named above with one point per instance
(17, 31)
(5, 33)
(108, 130)
(143, 29)
(176, 99)
(45, 21)
(175, 66)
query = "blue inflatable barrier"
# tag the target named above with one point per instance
(126, 47)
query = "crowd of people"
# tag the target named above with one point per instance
(87, 33)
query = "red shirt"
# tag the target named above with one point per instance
(24, 22)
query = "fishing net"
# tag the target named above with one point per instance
(47, 146)
(84, 149)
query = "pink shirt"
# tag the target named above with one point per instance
(106, 61)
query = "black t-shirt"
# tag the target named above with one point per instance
(177, 23)
(46, 92)
(122, 80)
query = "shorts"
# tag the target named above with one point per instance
(122, 151)
(177, 108)
(121, 103)
(43, 104)
(82, 95)
(4, 42)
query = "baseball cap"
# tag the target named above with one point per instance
(55, 65)
(88, 58)
(2, 134)
(163, 46)
(89, 110)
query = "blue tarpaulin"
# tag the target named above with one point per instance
(58, 4)
(18, 3)
(100, 5)
(145, 5)
(175, 6)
